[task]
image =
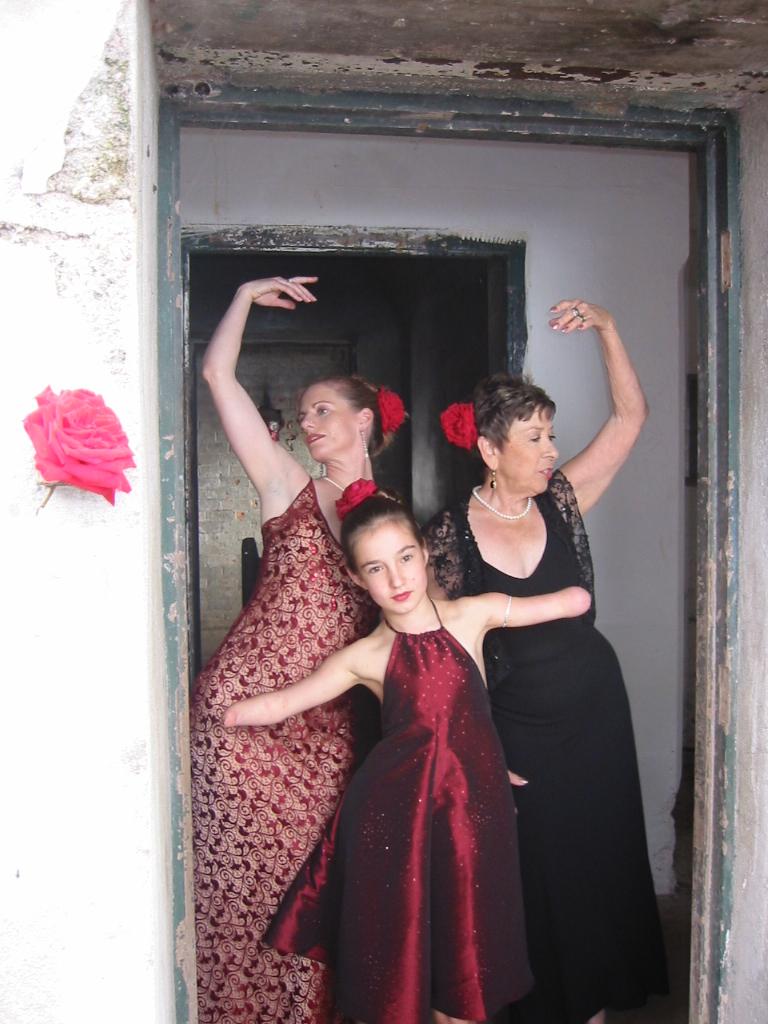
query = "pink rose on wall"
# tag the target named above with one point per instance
(79, 441)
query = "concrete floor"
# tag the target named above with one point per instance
(675, 914)
(672, 1009)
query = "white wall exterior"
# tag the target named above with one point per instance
(85, 933)
(604, 224)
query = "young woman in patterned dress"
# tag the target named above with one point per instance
(260, 801)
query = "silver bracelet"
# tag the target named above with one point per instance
(507, 611)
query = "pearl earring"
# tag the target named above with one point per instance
(493, 479)
(366, 456)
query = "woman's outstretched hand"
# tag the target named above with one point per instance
(578, 315)
(285, 292)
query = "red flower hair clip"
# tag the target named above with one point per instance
(354, 495)
(458, 423)
(391, 410)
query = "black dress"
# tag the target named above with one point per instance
(561, 709)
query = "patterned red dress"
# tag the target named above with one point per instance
(261, 798)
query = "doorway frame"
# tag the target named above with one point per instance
(268, 239)
(711, 136)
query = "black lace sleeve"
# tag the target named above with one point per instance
(456, 561)
(442, 536)
(563, 497)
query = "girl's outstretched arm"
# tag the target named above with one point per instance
(335, 676)
(528, 611)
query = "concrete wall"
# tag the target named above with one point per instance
(608, 225)
(745, 987)
(85, 935)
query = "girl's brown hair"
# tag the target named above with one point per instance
(382, 507)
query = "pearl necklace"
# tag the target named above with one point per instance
(502, 515)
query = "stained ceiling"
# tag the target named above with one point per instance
(595, 53)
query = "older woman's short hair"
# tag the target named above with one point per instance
(501, 399)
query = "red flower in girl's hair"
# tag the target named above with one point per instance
(458, 423)
(353, 495)
(391, 410)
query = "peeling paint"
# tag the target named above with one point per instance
(654, 48)
(175, 563)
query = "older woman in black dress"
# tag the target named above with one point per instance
(559, 701)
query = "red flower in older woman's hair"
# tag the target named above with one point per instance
(391, 410)
(79, 441)
(353, 495)
(458, 423)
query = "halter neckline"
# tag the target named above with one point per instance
(404, 632)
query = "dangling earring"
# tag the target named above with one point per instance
(493, 479)
(366, 456)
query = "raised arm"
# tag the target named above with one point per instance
(335, 676)
(274, 473)
(592, 470)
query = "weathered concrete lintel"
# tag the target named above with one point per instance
(206, 72)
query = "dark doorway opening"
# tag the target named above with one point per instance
(427, 326)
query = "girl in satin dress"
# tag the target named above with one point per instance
(403, 895)
(260, 802)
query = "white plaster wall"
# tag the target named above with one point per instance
(607, 225)
(745, 984)
(85, 933)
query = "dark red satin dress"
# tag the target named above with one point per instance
(262, 797)
(404, 896)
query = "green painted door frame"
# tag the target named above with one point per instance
(712, 137)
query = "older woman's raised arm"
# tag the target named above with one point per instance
(274, 474)
(592, 470)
